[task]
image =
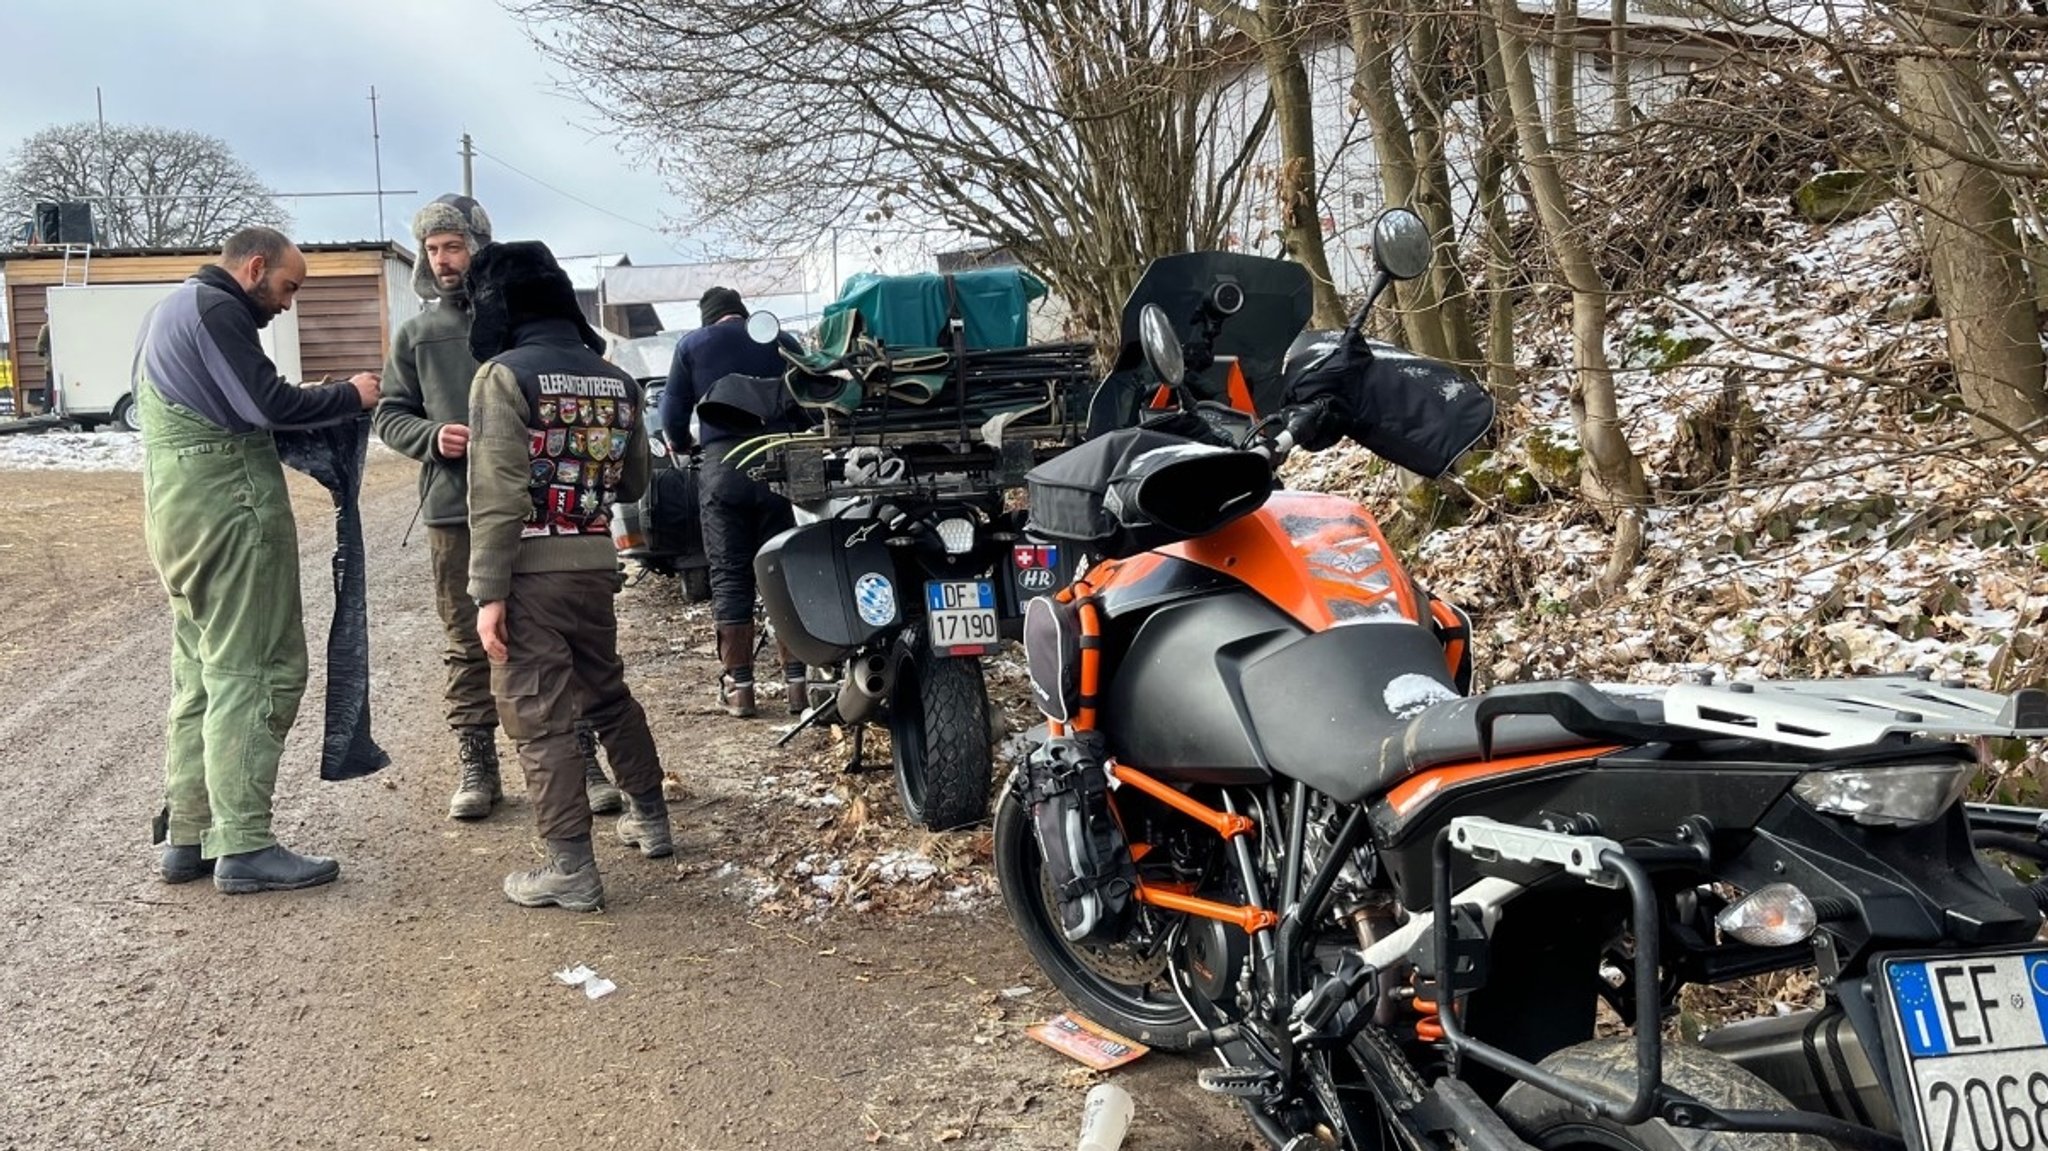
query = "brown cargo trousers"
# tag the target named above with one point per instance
(467, 696)
(562, 659)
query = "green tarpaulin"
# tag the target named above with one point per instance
(910, 311)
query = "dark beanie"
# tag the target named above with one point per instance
(718, 303)
(518, 283)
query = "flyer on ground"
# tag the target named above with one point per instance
(1086, 1041)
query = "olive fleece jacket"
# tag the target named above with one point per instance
(426, 387)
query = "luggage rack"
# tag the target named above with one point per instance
(1832, 714)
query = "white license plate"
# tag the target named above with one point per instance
(962, 615)
(1973, 1032)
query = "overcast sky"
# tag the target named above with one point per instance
(286, 84)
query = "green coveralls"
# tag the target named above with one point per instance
(220, 530)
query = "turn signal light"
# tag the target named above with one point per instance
(1775, 915)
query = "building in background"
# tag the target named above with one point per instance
(356, 294)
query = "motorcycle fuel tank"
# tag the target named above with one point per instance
(829, 587)
(1176, 706)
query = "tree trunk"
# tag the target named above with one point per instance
(1564, 74)
(1496, 145)
(1980, 272)
(1613, 477)
(1301, 217)
(1427, 55)
(1617, 59)
(1373, 88)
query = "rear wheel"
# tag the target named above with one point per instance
(938, 737)
(126, 417)
(1608, 1066)
(1124, 986)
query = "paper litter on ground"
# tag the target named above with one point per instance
(594, 986)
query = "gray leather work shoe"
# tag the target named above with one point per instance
(598, 791)
(480, 785)
(182, 863)
(274, 868)
(569, 880)
(646, 826)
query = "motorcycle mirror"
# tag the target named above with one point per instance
(763, 327)
(1401, 244)
(1162, 345)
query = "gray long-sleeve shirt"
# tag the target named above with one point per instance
(200, 350)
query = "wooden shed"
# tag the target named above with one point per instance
(354, 297)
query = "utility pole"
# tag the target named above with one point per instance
(468, 170)
(377, 156)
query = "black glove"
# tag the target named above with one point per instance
(1315, 424)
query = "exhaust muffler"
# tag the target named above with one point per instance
(867, 683)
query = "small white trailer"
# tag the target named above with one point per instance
(93, 330)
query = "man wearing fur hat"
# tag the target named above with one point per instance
(424, 413)
(557, 435)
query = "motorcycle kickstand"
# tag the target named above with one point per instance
(824, 713)
(854, 763)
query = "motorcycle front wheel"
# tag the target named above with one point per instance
(1123, 987)
(938, 737)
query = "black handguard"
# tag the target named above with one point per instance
(1331, 390)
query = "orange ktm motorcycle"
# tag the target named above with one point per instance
(1269, 824)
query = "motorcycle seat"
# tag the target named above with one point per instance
(1354, 710)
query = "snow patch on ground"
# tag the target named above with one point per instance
(100, 451)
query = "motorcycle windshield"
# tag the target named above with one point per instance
(1277, 303)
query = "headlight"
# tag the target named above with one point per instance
(957, 535)
(1900, 795)
(1774, 915)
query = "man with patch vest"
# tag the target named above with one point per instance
(557, 435)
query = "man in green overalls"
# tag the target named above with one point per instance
(220, 530)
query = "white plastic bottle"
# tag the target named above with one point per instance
(1104, 1118)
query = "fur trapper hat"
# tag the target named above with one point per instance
(518, 283)
(718, 303)
(453, 212)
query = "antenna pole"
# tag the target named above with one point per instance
(377, 157)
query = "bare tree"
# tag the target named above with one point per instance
(1278, 28)
(1957, 84)
(1614, 483)
(1083, 136)
(1980, 273)
(149, 187)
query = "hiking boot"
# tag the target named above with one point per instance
(273, 868)
(479, 786)
(182, 863)
(569, 880)
(735, 697)
(736, 656)
(645, 826)
(602, 795)
(795, 683)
